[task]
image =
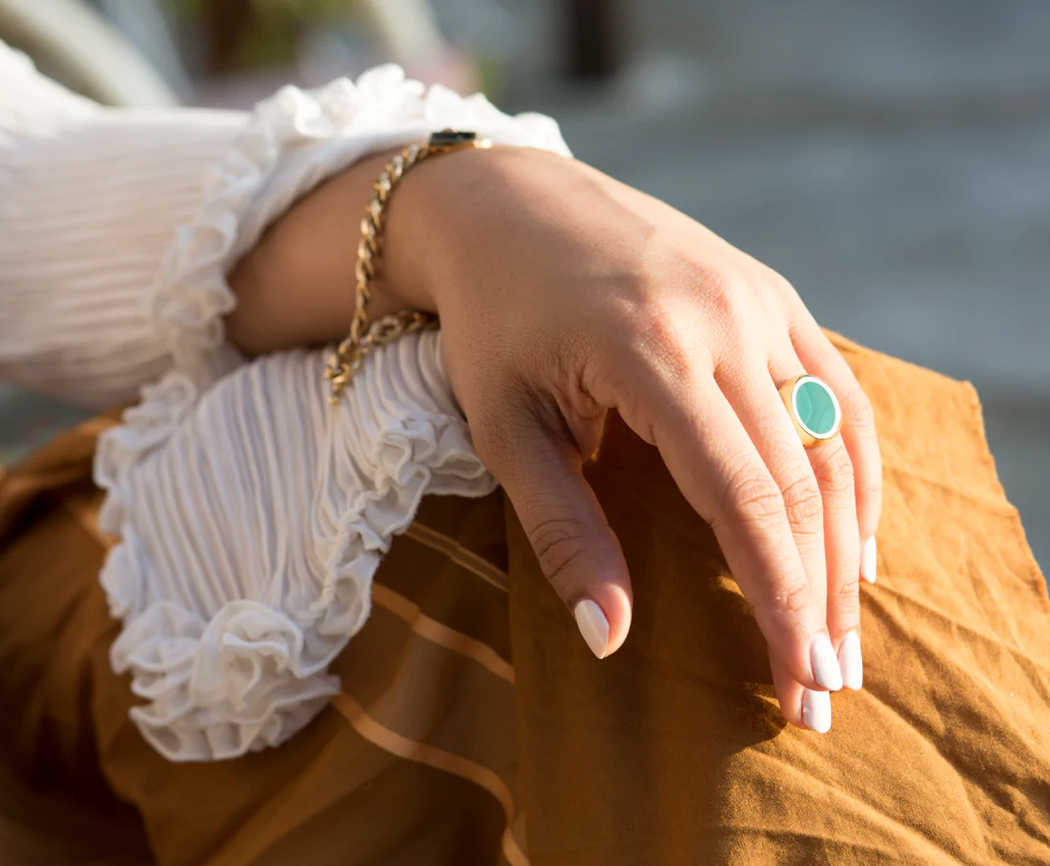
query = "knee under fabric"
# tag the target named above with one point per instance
(472, 725)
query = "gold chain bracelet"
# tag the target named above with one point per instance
(346, 359)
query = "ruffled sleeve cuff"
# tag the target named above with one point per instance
(296, 140)
(250, 534)
(251, 515)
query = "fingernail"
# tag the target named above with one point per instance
(816, 711)
(867, 560)
(825, 663)
(851, 661)
(593, 626)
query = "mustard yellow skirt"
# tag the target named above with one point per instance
(475, 727)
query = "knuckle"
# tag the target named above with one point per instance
(804, 504)
(776, 286)
(725, 300)
(835, 473)
(844, 600)
(846, 594)
(872, 492)
(794, 596)
(658, 342)
(858, 412)
(783, 285)
(559, 543)
(791, 596)
(751, 497)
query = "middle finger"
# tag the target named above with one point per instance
(752, 392)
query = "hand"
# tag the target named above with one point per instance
(563, 293)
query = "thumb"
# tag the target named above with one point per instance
(576, 548)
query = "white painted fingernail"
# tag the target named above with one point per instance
(593, 626)
(825, 663)
(867, 560)
(851, 661)
(816, 711)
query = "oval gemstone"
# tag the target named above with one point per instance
(815, 407)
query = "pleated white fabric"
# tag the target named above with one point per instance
(251, 515)
(275, 511)
(90, 199)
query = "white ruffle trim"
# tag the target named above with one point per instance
(251, 515)
(249, 538)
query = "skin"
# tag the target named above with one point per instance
(564, 293)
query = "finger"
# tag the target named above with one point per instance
(752, 393)
(831, 467)
(822, 359)
(540, 470)
(802, 707)
(717, 468)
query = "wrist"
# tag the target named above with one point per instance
(296, 287)
(422, 230)
(406, 248)
(456, 205)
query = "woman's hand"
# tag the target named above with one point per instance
(563, 293)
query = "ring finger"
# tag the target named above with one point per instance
(753, 395)
(833, 470)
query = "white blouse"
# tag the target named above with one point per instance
(251, 515)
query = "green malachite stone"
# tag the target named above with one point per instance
(815, 407)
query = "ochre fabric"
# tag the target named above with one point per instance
(475, 726)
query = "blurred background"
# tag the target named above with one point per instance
(892, 159)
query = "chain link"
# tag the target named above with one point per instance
(349, 355)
